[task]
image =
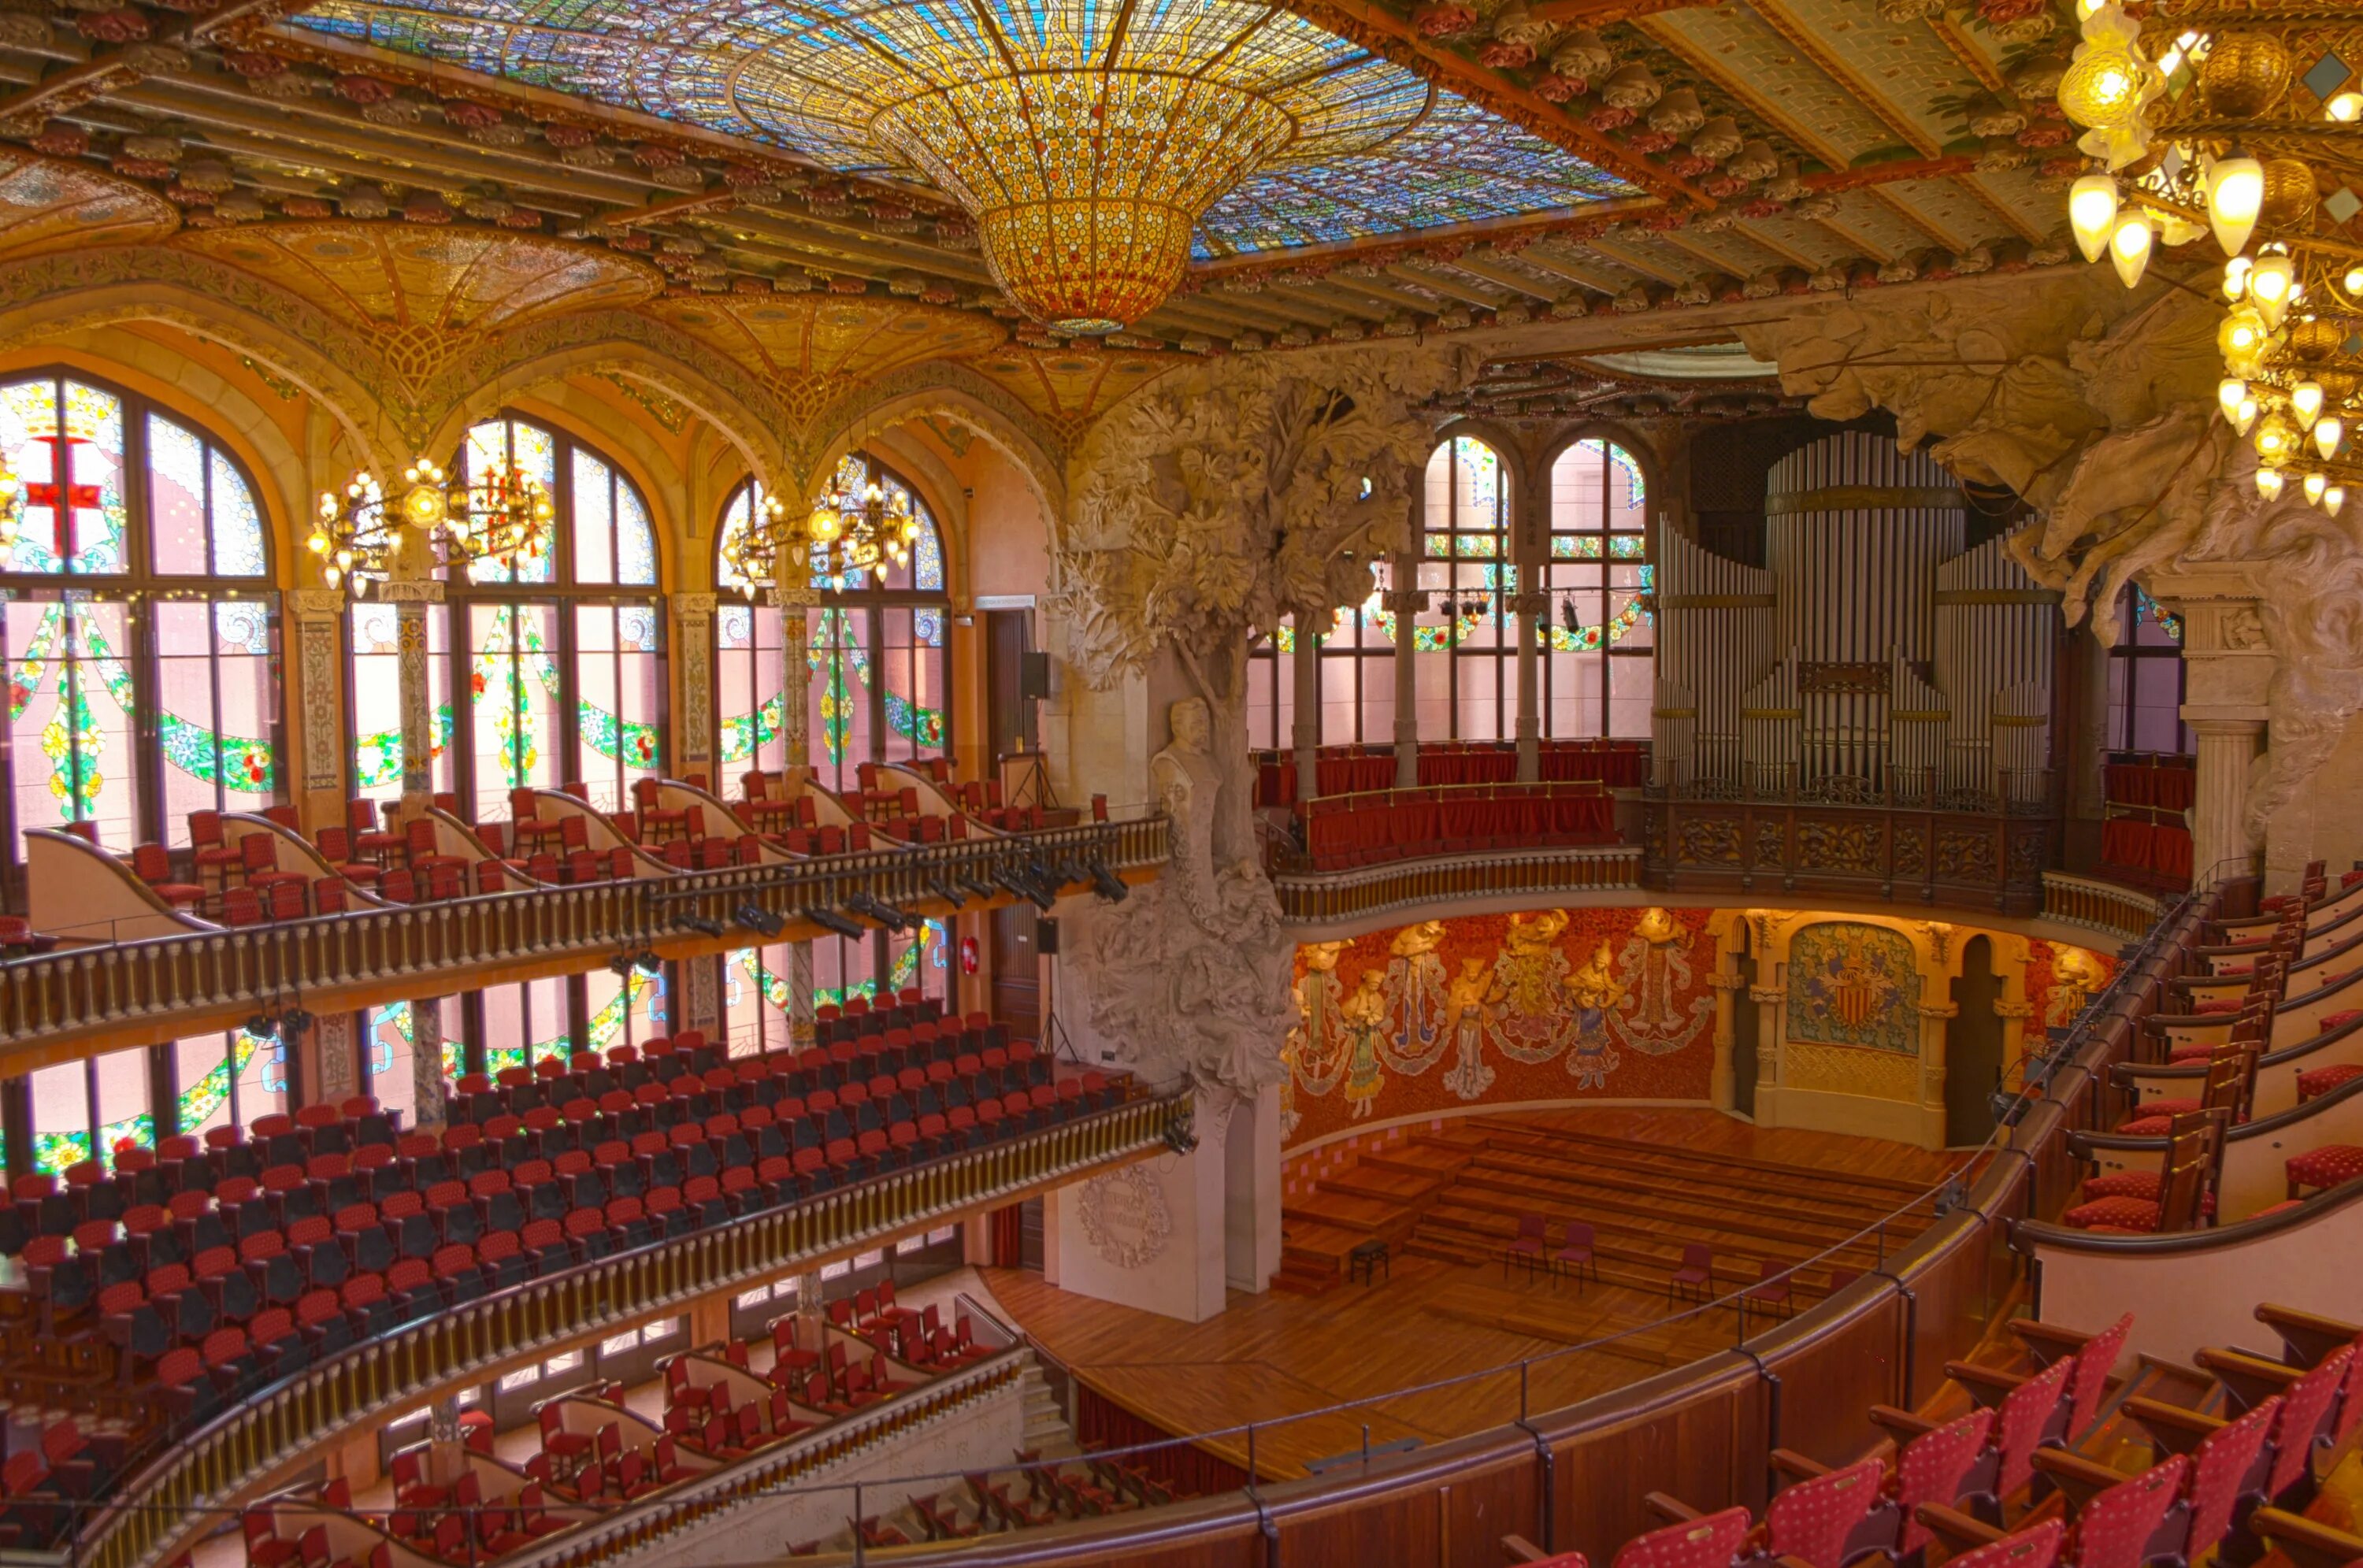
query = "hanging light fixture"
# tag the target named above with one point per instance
(353, 536)
(773, 535)
(868, 529)
(502, 517)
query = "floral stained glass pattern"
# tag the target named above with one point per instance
(1368, 148)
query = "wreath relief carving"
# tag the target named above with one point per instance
(1124, 1218)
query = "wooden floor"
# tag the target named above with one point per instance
(1445, 1200)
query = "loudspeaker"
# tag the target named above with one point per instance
(1046, 937)
(1034, 675)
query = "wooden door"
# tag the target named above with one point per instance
(1017, 971)
(1008, 635)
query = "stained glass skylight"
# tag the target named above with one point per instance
(863, 86)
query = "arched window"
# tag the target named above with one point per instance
(137, 618)
(1467, 684)
(2145, 679)
(560, 663)
(1597, 669)
(749, 665)
(879, 648)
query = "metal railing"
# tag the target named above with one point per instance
(151, 1519)
(430, 948)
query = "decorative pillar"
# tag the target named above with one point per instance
(693, 634)
(1305, 669)
(2228, 667)
(1772, 1031)
(332, 1041)
(1405, 604)
(1934, 1017)
(319, 614)
(795, 602)
(1723, 1078)
(410, 598)
(2219, 830)
(1530, 608)
(427, 1066)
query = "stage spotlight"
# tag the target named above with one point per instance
(1111, 886)
(981, 891)
(295, 1021)
(939, 888)
(757, 918)
(876, 909)
(700, 924)
(648, 963)
(262, 1026)
(620, 966)
(829, 919)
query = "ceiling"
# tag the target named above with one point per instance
(1482, 164)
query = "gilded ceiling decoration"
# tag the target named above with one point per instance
(810, 346)
(49, 205)
(1070, 387)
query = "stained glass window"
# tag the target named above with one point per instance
(625, 1010)
(749, 668)
(390, 1052)
(756, 1016)
(374, 695)
(136, 618)
(2145, 679)
(1598, 663)
(880, 650)
(561, 670)
(1465, 663)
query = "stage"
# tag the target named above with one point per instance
(1445, 1199)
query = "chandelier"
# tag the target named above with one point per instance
(353, 536)
(870, 529)
(2227, 119)
(771, 535)
(502, 518)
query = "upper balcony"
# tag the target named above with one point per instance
(129, 964)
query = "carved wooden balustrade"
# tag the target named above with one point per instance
(1890, 845)
(2120, 912)
(182, 985)
(166, 1504)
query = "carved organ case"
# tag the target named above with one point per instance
(1871, 659)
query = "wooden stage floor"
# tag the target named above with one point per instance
(1446, 1309)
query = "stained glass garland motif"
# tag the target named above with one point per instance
(54, 1152)
(1635, 612)
(931, 949)
(493, 674)
(2148, 609)
(1359, 146)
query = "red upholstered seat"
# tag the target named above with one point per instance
(2326, 1166)
(2339, 1020)
(2321, 1080)
(2134, 1214)
(2190, 1053)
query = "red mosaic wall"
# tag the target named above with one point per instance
(1602, 1003)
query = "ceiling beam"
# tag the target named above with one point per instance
(1776, 15)
(106, 71)
(1627, 257)
(1509, 278)
(1375, 28)
(1400, 298)
(1575, 272)
(1443, 286)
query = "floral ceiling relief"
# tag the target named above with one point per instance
(1555, 1005)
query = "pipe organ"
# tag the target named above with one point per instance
(1872, 659)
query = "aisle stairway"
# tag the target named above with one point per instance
(1457, 1193)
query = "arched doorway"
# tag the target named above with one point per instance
(1973, 1048)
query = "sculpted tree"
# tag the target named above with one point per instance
(1200, 513)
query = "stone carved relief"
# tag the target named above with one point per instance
(696, 612)
(1200, 512)
(1710, 841)
(1125, 1217)
(334, 1037)
(317, 614)
(2097, 406)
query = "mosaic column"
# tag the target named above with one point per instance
(1530, 608)
(1305, 669)
(332, 1041)
(693, 645)
(319, 614)
(795, 635)
(427, 1066)
(410, 599)
(1405, 604)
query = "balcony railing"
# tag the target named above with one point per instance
(2122, 912)
(1985, 848)
(1326, 898)
(164, 1505)
(187, 983)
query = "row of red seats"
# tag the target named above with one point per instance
(1394, 825)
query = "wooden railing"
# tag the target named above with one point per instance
(1887, 851)
(1327, 898)
(187, 983)
(1575, 1478)
(2100, 906)
(160, 1511)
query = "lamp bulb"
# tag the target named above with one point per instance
(2332, 498)
(2326, 433)
(2129, 247)
(2316, 483)
(2229, 393)
(2270, 283)
(2269, 483)
(2306, 399)
(2245, 416)
(2235, 194)
(2092, 213)
(2236, 278)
